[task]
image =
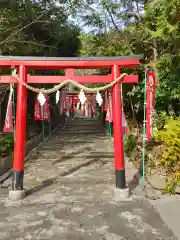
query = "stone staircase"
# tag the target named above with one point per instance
(82, 126)
(79, 147)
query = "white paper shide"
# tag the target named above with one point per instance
(99, 99)
(41, 99)
(82, 97)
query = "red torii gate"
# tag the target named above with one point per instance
(24, 64)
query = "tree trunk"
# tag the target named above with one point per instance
(155, 52)
(155, 56)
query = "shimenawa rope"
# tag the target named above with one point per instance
(59, 86)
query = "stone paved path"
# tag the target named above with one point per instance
(70, 183)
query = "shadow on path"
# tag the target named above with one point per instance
(51, 181)
(134, 183)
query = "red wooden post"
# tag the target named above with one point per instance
(19, 149)
(118, 131)
(150, 98)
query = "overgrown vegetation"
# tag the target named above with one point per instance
(6, 144)
(131, 146)
(169, 159)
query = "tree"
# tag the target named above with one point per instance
(36, 28)
(154, 32)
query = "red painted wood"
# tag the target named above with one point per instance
(49, 64)
(19, 148)
(70, 72)
(79, 79)
(150, 102)
(117, 122)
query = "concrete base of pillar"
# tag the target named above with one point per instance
(16, 195)
(121, 194)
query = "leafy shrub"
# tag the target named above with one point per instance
(6, 144)
(170, 159)
(160, 120)
(130, 144)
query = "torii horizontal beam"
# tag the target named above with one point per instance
(58, 79)
(72, 62)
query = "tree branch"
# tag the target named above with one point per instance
(110, 14)
(34, 43)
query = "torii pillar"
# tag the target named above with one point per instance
(18, 191)
(119, 163)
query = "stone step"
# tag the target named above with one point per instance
(79, 132)
(82, 131)
(83, 123)
(82, 126)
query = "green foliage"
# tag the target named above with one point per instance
(171, 185)
(125, 30)
(6, 144)
(159, 120)
(130, 145)
(36, 28)
(169, 136)
(168, 94)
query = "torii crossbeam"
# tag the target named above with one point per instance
(24, 64)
